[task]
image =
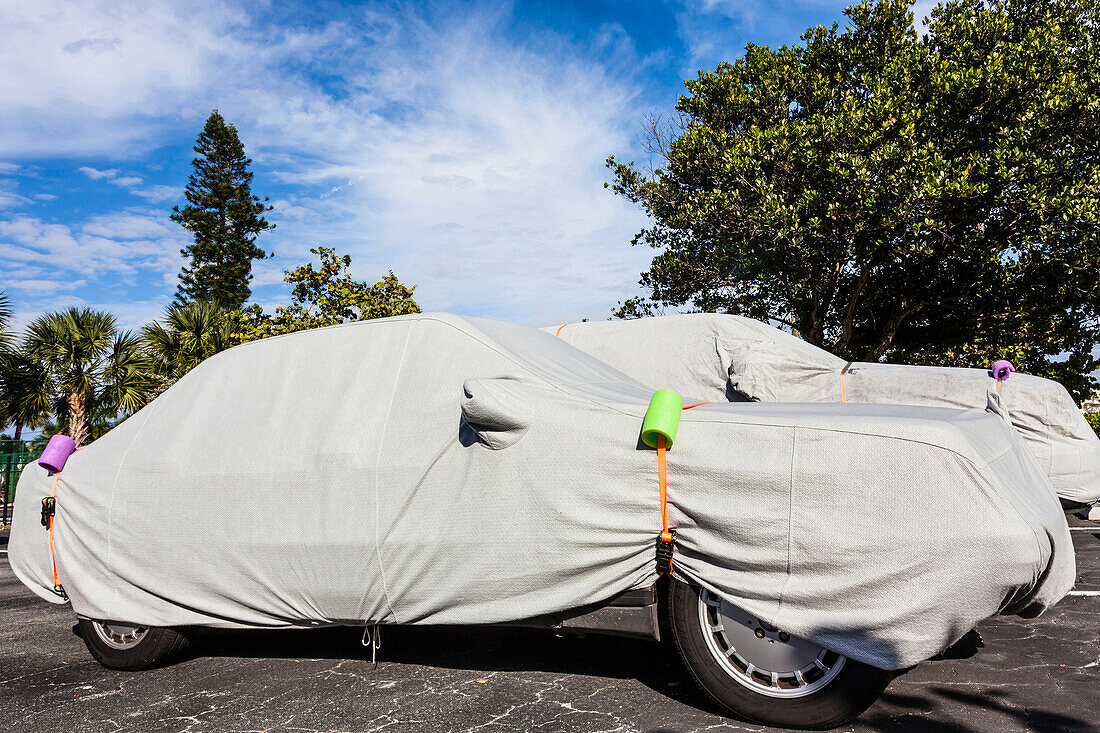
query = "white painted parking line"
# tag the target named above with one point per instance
(1084, 592)
(1084, 529)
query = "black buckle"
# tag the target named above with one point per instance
(48, 505)
(664, 553)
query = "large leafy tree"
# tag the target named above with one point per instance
(930, 199)
(224, 217)
(96, 371)
(327, 295)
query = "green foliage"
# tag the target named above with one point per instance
(1093, 420)
(185, 336)
(6, 336)
(327, 295)
(94, 371)
(224, 217)
(926, 199)
(26, 391)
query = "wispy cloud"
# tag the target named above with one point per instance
(10, 197)
(107, 250)
(98, 175)
(435, 143)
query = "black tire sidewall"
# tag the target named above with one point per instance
(852, 691)
(157, 645)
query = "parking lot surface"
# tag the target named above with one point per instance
(1020, 675)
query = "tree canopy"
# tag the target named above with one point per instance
(887, 195)
(92, 370)
(327, 295)
(224, 216)
(185, 336)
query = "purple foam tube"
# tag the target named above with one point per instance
(1002, 369)
(57, 452)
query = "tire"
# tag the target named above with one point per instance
(828, 691)
(129, 647)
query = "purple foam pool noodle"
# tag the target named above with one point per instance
(57, 452)
(1002, 369)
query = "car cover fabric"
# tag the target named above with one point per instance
(715, 356)
(436, 469)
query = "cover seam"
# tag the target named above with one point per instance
(377, 458)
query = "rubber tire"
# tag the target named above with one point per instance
(158, 645)
(851, 692)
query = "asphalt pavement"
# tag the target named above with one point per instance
(1012, 675)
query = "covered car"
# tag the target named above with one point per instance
(438, 469)
(723, 357)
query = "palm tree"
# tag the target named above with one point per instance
(6, 338)
(26, 391)
(187, 335)
(94, 368)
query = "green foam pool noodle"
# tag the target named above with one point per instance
(662, 417)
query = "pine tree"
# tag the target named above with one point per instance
(224, 217)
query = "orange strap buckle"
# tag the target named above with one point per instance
(667, 538)
(49, 509)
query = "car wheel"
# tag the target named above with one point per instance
(126, 646)
(764, 675)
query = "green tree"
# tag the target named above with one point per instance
(7, 338)
(927, 199)
(96, 371)
(26, 391)
(327, 295)
(224, 217)
(185, 336)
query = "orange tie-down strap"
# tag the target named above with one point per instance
(49, 512)
(844, 381)
(665, 539)
(558, 332)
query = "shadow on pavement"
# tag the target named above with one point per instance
(476, 649)
(487, 649)
(925, 713)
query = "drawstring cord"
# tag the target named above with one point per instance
(372, 640)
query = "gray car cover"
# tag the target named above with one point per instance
(719, 357)
(434, 469)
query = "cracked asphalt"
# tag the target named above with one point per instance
(1035, 675)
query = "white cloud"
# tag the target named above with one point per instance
(96, 251)
(9, 195)
(487, 190)
(158, 194)
(111, 175)
(45, 286)
(128, 225)
(469, 163)
(98, 175)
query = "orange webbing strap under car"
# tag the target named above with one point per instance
(844, 382)
(49, 509)
(665, 539)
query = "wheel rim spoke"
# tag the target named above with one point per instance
(119, 636)
(760, 656)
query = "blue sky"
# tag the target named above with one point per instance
(459, 144)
